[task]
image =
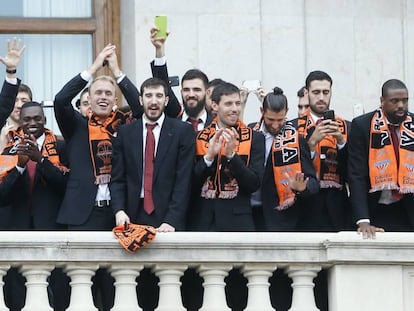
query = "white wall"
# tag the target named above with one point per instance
(360, 43)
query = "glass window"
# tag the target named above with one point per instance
(50, 61)
(46, 8)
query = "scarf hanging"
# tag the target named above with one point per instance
(100, 144)
(384, 172)
(9, 158)
(222, 184)
(285, 155)
(326, 160)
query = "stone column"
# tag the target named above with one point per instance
(81, 296)
(125, 286)
(303, 298)
(214, 286)
(170, 286)
(258, 285)
(36, 286)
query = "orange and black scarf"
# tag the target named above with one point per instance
(8, 158)
(326, 159)
(384, 172)
(285, 155)
(100, 144)
(222, 184)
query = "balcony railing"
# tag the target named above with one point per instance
(362, 274)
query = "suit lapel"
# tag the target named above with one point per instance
(166, 135)
(138, 149)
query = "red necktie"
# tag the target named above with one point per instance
(396, 144)
(149, 169)
(194, 123)
(395, 140)
(319, 121)
(31, 171)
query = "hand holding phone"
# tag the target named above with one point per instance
(329, 115)
(160, 22)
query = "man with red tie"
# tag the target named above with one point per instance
(152, 160)
(381, 162)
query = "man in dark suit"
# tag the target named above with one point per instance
(151, 175)
(33, 190)
(381, 164)
(194, 86)
(87, 200)
(229, 167)
(276, 214)
(327, 140)
(172, 165)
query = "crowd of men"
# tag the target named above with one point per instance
(194, 164)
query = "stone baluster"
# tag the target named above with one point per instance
(3, 272)
(214, 286)
(81, 295)
(36, 286)
(170, 286)
(303, 298)
(258, 286)
(125, 286)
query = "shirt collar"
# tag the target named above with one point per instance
(202, 116)
(40, 140)
(159, 122)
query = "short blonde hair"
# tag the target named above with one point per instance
(103, 78)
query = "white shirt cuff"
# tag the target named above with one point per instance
(86, 76)
(362, 220)
(160, 61)
(11, 80)
(120, 78)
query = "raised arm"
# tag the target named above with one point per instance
(9, 90)
(128, 89)
(159, 70)
(64, 112)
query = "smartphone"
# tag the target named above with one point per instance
(174, 81)
(160, 22)
(329, 115)
(251, 85)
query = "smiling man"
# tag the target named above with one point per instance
(87, 201)
(229, 168)
(152, 163)
(381, 158)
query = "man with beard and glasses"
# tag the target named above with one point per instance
(327, 139)
(381, 162)
(194, 86)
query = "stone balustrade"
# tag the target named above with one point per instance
(362, 274)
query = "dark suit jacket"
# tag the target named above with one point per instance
(37, 209)
(81, 190)
(172, 173)
(289, 219)
(328, 210)
(7, 98)
(364, 204)
(228, 214)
